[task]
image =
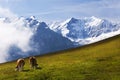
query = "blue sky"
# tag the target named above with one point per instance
(55, 10)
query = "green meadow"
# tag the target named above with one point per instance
(98, 61)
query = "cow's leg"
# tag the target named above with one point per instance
(31, 66)
(22, 67)
(36, 66)
(19, 68)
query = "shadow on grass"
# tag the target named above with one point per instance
(27, 70)
(39, 68)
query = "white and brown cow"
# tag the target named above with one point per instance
(20, 64)
(33, 62)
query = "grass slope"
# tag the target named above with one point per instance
(99, 61)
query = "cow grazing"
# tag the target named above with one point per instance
(33, 62)
(20, 64)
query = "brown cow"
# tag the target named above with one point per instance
(20, 64)
(33, 62)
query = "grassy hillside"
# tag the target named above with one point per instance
(99, 61)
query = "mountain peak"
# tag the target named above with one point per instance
(90, 21)
(70, 20)
(32, 17)
(93, 21)
(89, 27)
(93, 17)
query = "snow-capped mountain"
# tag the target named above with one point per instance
(41, 41)
(48, 40)
(86, 30)
(24, 37)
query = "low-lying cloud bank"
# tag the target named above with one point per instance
(13, 31)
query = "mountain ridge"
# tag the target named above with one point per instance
(82, 29)
(69, 34)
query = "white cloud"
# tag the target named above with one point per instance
(4, 12)
(109, 9)
(13, 32)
